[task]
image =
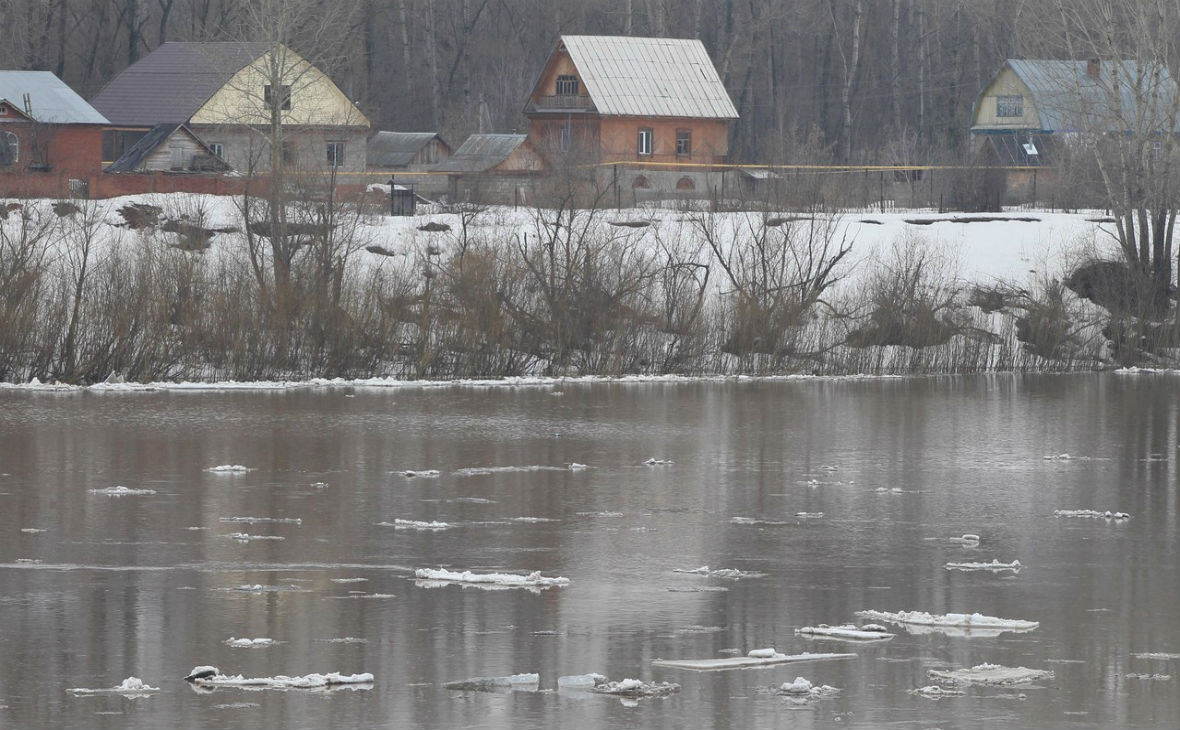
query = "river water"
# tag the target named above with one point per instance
(152, 585)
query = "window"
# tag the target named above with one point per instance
(287, 152)
(217, 149)
(564, 138)
(1010, 106)
(335, 154)
(683, 142)
(644, 144)
(567, 85)
(9, 149)
(284, 98)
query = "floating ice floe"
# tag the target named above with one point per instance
(1092, 514)
(581, 681)
(245, 537)
(420, 473)
(228, 469)
(249, 643)
(968, 539)
(507, 580)
(804, 689)
(533, 519)
(752, 521)
(262, 520)
(349, 580)
(416, 525)
(890, 490)
(1153, 677)
(260, 588)
(635, 688)
(211, 677)
(847, 632)
(575, 466)
(1058, 457)
(347, 640)
(698, 589)
(990, 674)
(756, 658)
(476, 471)
(121, 491)
(1161, 655)
(994, 565)
(934, 692)
(954, 624)
(731, 573)
(515, 682)
(32, 530)
(809, 515)
(657, 462)
(131, 686)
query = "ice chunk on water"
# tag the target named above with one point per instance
(744, 662)
(968, 622)
(802, 688)
(228, 469)
(517, 682)
(767, 653)
(400, 524)
(249, 643)
(934, 692)
(1091, 514)
(1153, 677)
(130, 686)
(209, 676)
(575, 466)
(510, 580)
(653, 461)
(731, 573)
(260, 520)
(847, 632)
(635, 688)
(994, 565)
(581, 681)
(121, 491)
(1161, 655)
(967, 539)
(245, 537)
(990, 674)
(419, 473)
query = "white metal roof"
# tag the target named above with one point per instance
(50, 100)
(650, 77)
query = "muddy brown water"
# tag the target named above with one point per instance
(151, 585)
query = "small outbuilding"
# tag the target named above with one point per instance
(410, 152)
(170, 147)
(492, 168)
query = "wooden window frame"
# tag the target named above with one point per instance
(683, 142)
(1009, 106)
(567, 85)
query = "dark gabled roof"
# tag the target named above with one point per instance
(134, 157)
(50, 100)
(482, 152)
(172, 82)
(397, 149)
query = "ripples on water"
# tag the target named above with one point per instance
(827, 496)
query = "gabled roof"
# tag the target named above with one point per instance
(172, 82)
(50, 100)
(650, 77)
(137, 154)
(397, 149)
(1068, 98)
(482, 152)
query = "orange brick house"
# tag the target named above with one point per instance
(618, 99)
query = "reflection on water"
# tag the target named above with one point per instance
(824, 497)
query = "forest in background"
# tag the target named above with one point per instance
(891, 81)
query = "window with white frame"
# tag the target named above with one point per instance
(1010, 105)
(217, 149)
(644, 142)
(10, 155)
(335, 154)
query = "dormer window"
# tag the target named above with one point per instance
(284, 98)
(1010, 106)
(567, 85)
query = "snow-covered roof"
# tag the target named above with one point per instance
(50, 100)
(651, 77)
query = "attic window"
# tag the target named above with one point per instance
(1010, 106)
(284, 98)
(567, 85)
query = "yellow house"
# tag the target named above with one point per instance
(226, 94)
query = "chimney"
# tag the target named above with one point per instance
(1093, 66)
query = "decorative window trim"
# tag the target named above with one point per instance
(566, 85)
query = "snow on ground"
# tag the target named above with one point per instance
(847, 632)
(507, 580)
(131, 686)
(969, 622)
(756, 658)
(990, 674)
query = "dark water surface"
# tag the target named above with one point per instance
(124, 586)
